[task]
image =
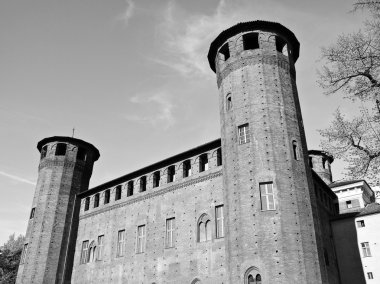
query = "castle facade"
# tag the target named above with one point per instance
(246, 208)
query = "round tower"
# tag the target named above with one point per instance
(64, 171)
(320, 162)
(270, 204)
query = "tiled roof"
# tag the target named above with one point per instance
(341, 183)
(372, 208)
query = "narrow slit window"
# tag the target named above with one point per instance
(60, 150)
(43, 151)
(251, 41)
(118, 192)
(186, 168)
(130, 188)
(156, 179)
(228, 102)
(81, 154)
(107, 194)
(87, 204)
(267, 196)
(143, 184)
(243, 132)
(219, 157)
(203, 163)
(224, 51)
(311, 162)
(295, 150)
(32, 213)
(171, 174)
(96, 200)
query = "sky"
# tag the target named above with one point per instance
(132, 78)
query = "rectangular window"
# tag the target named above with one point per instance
(219, 221)
(141, 239)
(120, 243)
(107, 194)
(348, 204)
(60, 150)
(130, 188)
(81, 154)
(87, 204)
(84, 254)
(250, 41)
(365, 249)
(203, 163)
(370, 275)
(143, 184)
(186, 168)
(118, 192)
(243, 132)
(43, 151)
(169, 241)
(32, 213)
(96, 200)
(156, 179)
(360, 223)
(267, 196)
(100, 247)
(171, 174)
(24, 253)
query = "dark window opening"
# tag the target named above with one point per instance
(186, 168)
(171, 174)
(118, 192)
(156, 179)
(32, 213)
(250, 41)
(311, 162)
(130, 188)
(324, 163)
(295, 150)
(224, 50)
(43, 151)
(281, 46)
(143, 184)
(87, 204)
(360, 223)
(81, 154)
(60, 150)
(96, 200)
(203, 163)
(219, 157)
(228, 102)
(326, 257)
(107, 196)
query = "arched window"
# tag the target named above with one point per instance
(228, 102)
(196, 281)
(204, 228)
(224, 52)
(252, 276)
(91, 252)
(281, 46)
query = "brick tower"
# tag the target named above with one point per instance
(320, 162)
(268, 192)
(64, 171)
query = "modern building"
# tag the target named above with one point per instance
(246, 208)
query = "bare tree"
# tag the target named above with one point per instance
(352, 67)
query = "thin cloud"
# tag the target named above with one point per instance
(129, 11)
(186, 38)
(16, 178)
(154, 109)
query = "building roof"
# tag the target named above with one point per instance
(371, 208)
(322, 153)
(251, 26)
(347, 182)
(71, 140)
(163, 163)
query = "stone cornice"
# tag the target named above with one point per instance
(154, 194)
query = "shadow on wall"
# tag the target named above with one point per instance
(349, 260)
